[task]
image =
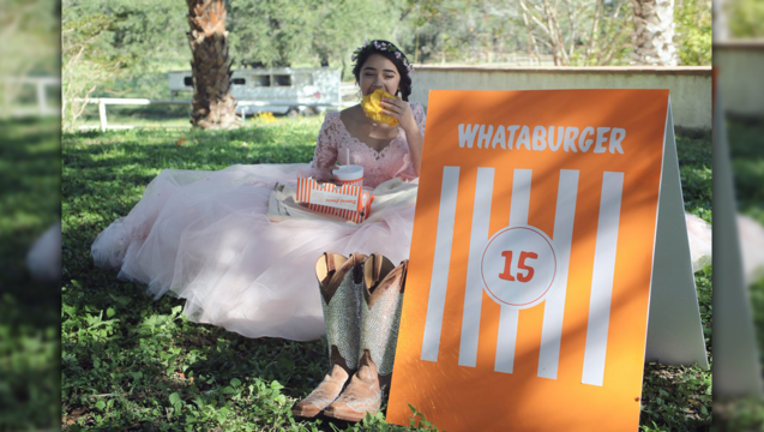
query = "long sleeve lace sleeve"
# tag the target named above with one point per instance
(325, 154)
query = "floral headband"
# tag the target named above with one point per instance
(383, 46)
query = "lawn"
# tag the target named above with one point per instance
(29, 314)
(129, 362)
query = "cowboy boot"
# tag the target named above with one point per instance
(380, 316)
(339, 280)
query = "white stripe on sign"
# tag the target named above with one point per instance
(521, 197)
(440, 264)
(602, 278)
(554, 304)
(473, 290)
(508, 317)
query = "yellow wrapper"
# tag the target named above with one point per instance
(371, 106)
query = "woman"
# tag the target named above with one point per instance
(207, 236)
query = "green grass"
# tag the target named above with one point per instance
(131, 363)
(695, 173)
(29, 324)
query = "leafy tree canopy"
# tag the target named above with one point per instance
(144, 39)
(746, 18)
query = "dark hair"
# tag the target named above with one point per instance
(390, 52)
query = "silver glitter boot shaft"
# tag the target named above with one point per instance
(339, 280)
(382, 295)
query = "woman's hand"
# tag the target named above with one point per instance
(401, 110)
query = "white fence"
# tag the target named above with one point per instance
(346, 90)
(42, 108)
(103, 119)
(102, 102)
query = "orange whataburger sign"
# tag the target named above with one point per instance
(531, 262)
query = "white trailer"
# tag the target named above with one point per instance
(276, 90)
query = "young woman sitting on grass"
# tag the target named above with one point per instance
(207, 237)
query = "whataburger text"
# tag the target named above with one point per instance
(552, 138)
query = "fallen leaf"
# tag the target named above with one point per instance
(74, 416)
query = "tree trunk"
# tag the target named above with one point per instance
(213, 106)
(654, 33)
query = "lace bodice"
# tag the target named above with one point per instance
(392, 161)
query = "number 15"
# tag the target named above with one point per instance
(506, 275)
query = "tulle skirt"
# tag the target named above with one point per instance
(206, 237)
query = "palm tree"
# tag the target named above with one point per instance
(213, 106)
(654, 33)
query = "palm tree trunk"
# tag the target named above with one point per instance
(654, 33)
(213, 106)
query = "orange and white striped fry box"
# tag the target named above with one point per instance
(349, 202)
(531, 260)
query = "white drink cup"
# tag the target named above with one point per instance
(349, 175)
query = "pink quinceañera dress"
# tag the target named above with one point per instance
(208, 237)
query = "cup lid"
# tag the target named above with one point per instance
(348, 172)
